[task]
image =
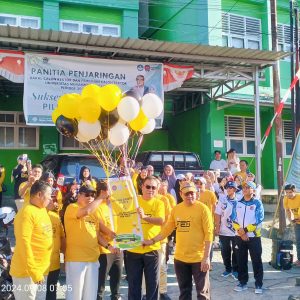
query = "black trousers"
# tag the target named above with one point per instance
(52, 280)
(255, 249)
(111, 264)
(137, 264)
(185, 272)
(229, 253)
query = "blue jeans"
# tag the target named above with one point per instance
(297, 236)
(137, 264)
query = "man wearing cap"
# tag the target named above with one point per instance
(224, 229)
(145, 260)
(291, 204)
(194, 233)
(218, 163)
(247, 216)
(82, 249)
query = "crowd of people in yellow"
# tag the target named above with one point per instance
(77, 224)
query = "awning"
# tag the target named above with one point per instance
(219, 68)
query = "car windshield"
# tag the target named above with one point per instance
(70, 165)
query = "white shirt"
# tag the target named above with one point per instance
(224, 209)
(218, 165)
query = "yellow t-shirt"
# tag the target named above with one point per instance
(172, 200)
(152, 208)
(103, 214)
(134, 177)
(81, 236)
(58, 233)
(26, 196)
(209, 198)
(33, 232)
(242, 174)
(293, 205)
(168, 209)
(194, 227)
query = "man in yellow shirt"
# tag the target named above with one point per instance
(194, 233)
(24, 189)
(291, 204)
(82, 249)
(33, 231)
(110, 263)
(145, 260)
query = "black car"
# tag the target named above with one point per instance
(181, 161)
(66, 166)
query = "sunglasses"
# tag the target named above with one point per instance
(189, 193)
(151, 187)
(230, 187)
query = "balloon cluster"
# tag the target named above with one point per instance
(106, 113)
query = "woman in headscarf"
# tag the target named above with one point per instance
(86, 178)
(169, 175)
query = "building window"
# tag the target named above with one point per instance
(241, 32)
(22, 21)
(69, 143)
(240, 135)
(15, 134)
(94, 28)
(287, 138)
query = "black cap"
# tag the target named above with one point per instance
(87, 188)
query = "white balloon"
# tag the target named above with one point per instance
(82, 138)
(152, 105)
(118, 135)
(128, 108)
(149, 127)
(89, 130)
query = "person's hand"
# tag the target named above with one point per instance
(40, 281)
(217, 230)
(241, 231)
(245, 237)
(147, 243)
(205, 264)
(140, 212)
(112, 235)
(87, 182)
(113, 249)
(31, 180)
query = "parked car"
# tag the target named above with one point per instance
(66, 166)
(181, 161)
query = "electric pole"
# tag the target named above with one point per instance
(278, 120)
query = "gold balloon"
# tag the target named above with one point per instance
(110, 97)
(68, 104)
(55, 114)
(92, 91)
(89, 109)
(139, 122)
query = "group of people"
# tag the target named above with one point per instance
(175, 209)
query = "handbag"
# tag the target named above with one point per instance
(4, 188)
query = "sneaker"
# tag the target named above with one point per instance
(258, 290)
(234, 275)
(164, 296)
(226, 274)
(241, 287)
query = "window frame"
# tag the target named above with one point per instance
(245, 37)
(99, 25)
(286, 140)
(16, 125)
(61, 146)
(244, 139)
(20, 17)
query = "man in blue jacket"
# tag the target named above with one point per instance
(247, 216)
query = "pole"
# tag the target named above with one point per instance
(278, 121)
(293, 103)
(297, 104)
(257, 128)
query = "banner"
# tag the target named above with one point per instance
(293, 174)
(47, 77)
(174, 76)
(12, 65)
(124, 217)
